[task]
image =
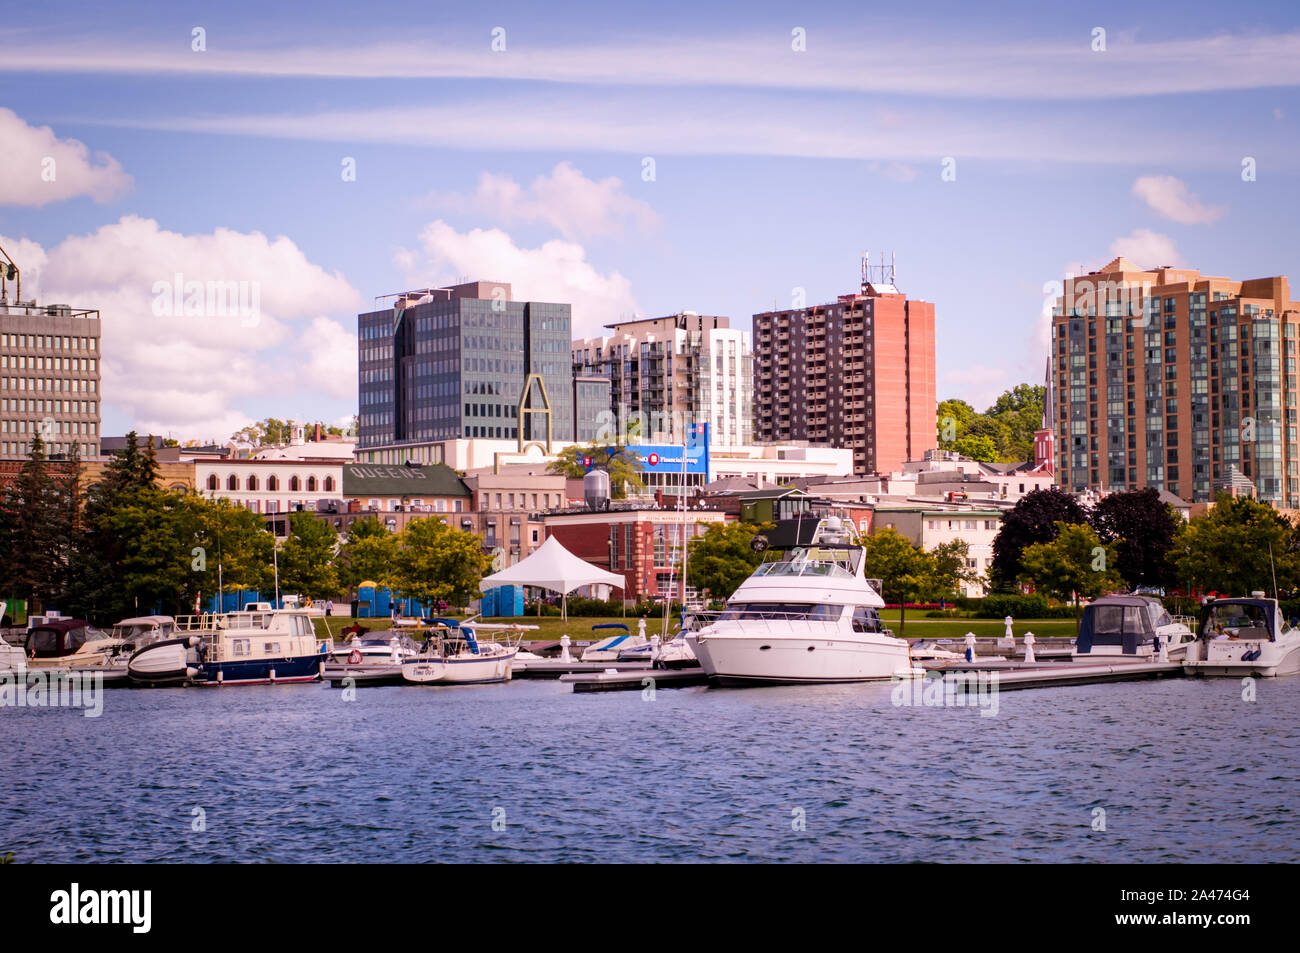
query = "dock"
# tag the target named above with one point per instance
(628, 681)
(1014, 674)
(556, 668)
(383, 673)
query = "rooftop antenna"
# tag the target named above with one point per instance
(9, 272)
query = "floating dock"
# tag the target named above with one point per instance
(627, 681)
(384, 673)
(1016, 673)
(555, 668)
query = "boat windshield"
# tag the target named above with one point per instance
(819, 612)
(814, 561)
(1237, 620)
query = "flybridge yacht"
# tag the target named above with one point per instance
(1244, 637)
(810, 618)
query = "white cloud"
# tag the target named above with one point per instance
(37, 167)
(189, 375)
(557, 271)
(1170, 197)
(1146, 249)
(576, 206)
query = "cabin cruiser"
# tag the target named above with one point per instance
(140, 631)
(255, 646)
(388, 647)
(70, 643)
(1244, 637)
(454, 655)
(812, 617)
(1130, 626)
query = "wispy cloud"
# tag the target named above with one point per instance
(1172, 199)
(1059, 67)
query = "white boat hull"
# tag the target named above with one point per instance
(1225, 661)
(460, 670)
(741, 659)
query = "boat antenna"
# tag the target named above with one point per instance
(1273, 569)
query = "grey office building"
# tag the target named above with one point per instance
(450, 363)
(49, 379)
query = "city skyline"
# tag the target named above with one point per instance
(993, 162)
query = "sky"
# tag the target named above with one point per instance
(627, 159)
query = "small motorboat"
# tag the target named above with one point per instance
(71, 643)
(1241, 637)
(1130, 626)
(165, 662)
(453, 654)
(611, 649)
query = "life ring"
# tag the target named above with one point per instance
(354, 657)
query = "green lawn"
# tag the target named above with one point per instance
(579, 629)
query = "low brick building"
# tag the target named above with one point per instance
(638, 540)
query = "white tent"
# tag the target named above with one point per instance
(552, 567)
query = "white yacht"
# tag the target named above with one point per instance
(1130, 626)
(376, 647)
(810, 618)
(1244, 637)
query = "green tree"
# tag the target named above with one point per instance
(306, 558)
(1034, 519)
(435, 561)
(1237, 547)
(906, 572)
(40, 534)
(1010, 424)
(621, 464)
(949, 572)
(977, 447)
(368, 554)
(1143, 530)
(1074, 564)
(722, 557)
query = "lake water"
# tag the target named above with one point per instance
(1184, 770)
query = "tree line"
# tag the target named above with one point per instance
(125, 546)
(1134, 540)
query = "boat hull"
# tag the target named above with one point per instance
(167, 662)
(468, 670)
(1267, 666)
(762, 659)
(303, 668)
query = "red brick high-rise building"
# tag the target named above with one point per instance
(856, 372)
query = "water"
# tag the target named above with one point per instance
(1185, 770)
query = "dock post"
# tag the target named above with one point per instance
(970, 646)
(654, 648)
(1029, 649)
(1008, 638)
(1164, 648)
(564, 649)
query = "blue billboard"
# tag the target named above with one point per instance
(667, 458)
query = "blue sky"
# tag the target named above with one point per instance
(773, 169)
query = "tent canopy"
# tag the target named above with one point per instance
(552, 567)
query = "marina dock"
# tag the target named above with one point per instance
(556, 668)
(370, 675)
(1016, 674)
(627, 681)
